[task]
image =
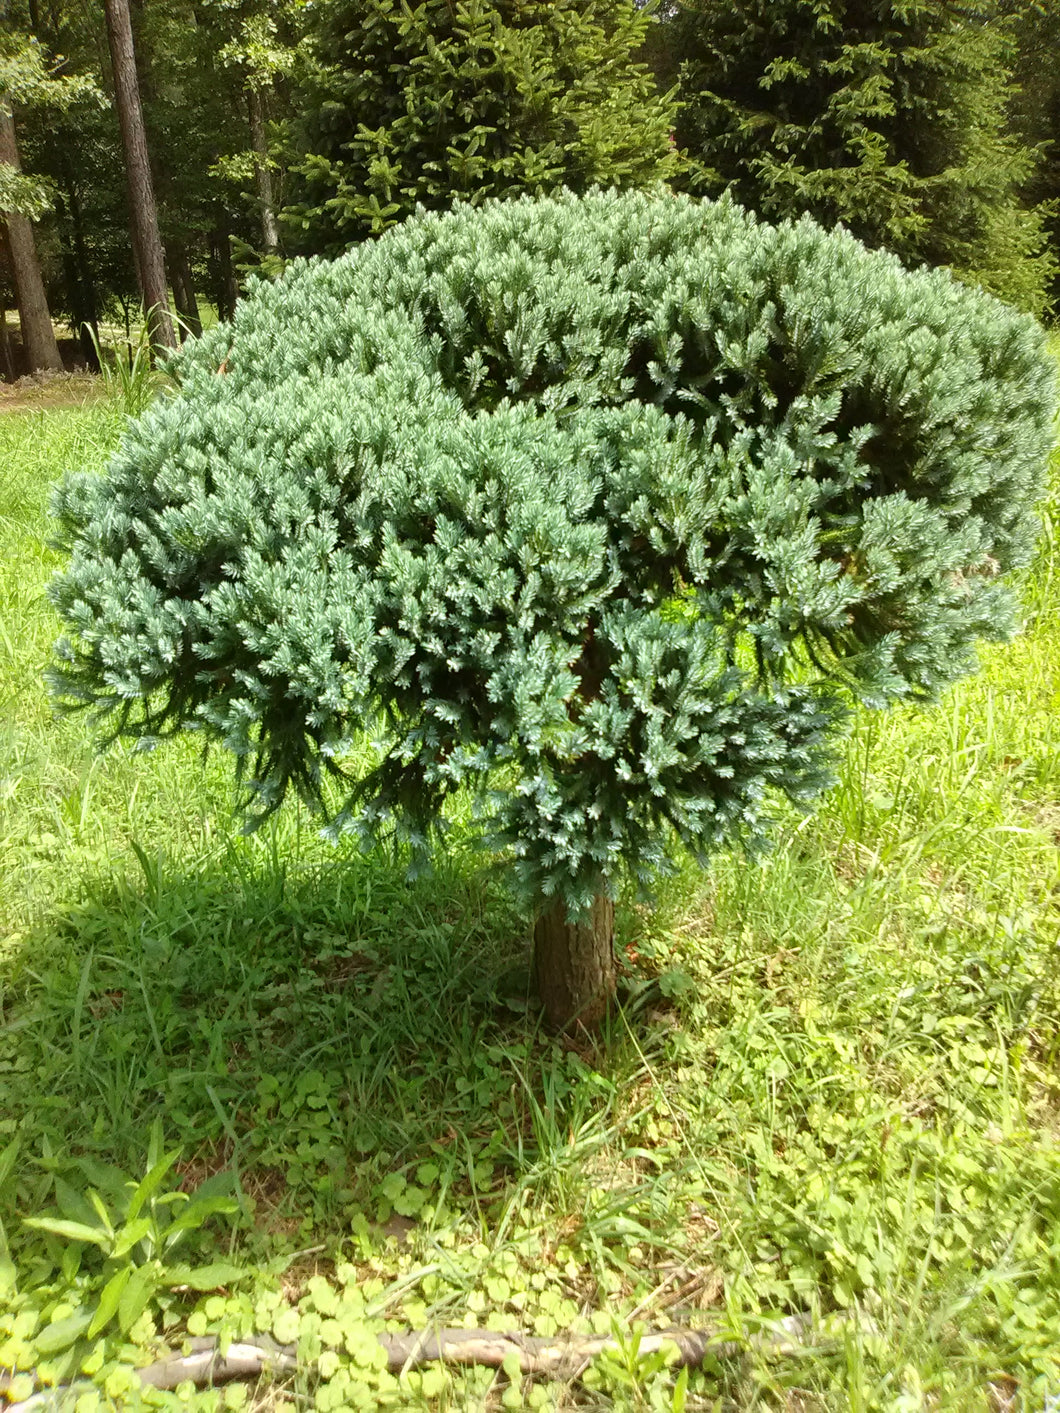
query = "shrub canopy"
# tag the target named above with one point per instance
(606, 506)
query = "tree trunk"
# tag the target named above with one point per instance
(227, 287)
(86, 300)
(184, 289)
(38, 336)
(79, 291)
(80, 281)
(574, 963)
(270, 233)
(7, 363)
(143, 213)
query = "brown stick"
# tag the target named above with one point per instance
(564, 1357)
(560, 1358)
(205, 1365)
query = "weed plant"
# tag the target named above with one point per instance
(127, 371)
(833, 1090)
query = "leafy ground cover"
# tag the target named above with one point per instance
(255, 1084)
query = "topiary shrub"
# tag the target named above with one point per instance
(606, 507)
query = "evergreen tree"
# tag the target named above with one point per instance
(1035, 26)
(887, 115)
(603, 507)
(469, 99)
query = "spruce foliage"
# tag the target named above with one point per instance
(427, 103)
(889, 116)
(1035, 27)
(606, 507)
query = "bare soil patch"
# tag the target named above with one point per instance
(41, 392)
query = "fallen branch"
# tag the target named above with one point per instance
(206, 1365)
(563, 1358)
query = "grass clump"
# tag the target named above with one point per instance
(832, 1091)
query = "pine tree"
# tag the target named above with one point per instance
(470, 99)
(606, 508)
(888, 115)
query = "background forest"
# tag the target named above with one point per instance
(276, 128)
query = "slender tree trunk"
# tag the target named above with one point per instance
(143, 213)
(7, 363)
(227, 290)
(270, 233)
(79, 291)
(38, 335)
(184, 288)
(75, 295)
(81, 288)
(85, 277)
(574, 963)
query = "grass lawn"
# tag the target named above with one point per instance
(833, 1093)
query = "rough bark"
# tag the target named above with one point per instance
(270, 233)
(38, 335)
(574, 963)
(143, 212)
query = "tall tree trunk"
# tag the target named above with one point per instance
(85, 277)
(38, 336)
(270, 233)
(80, 280)
(574, 963)
(79, 290)
(184, 288)
(226, 291)
(143, 213)
(7, 363)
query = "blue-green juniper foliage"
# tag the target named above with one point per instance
(608, 507)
